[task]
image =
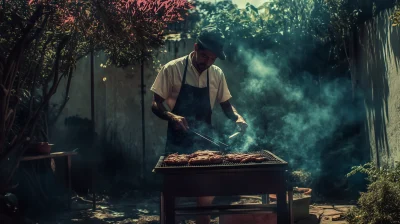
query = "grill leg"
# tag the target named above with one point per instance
(68, 161)
(290, 199)
(162, 209)
(265, 199)
(169, 208)
(282, 211)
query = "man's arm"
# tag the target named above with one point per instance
(158, 108)
(233, 115)
(160, 111)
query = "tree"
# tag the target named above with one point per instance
(40, 42)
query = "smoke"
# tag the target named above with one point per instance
(294, 116)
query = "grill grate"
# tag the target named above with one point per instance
(271, 160)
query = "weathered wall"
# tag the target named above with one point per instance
(118, 108)
(377, 75)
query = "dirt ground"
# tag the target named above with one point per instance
(144, 209)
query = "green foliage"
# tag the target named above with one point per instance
(273, 17)
(381, 203)
(396, 16)
(290, 29)
(300, 178)
(374, 173)
(304, 27)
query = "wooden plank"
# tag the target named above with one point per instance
(51, 155)
(68, 161)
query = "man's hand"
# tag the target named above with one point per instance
(232, 114)
(158, 109)
(241, 123)
(179, 122)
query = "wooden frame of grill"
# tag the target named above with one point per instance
(226, 179)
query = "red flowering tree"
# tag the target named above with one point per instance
(40, 42)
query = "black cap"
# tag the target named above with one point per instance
(213, 40)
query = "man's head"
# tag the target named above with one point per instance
(209, 45)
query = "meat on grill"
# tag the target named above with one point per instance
(176, 159)
(208, 157)
(204, 153)
(244, 158)
(196, 158)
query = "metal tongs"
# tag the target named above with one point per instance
(239, 132)
(234, 135)
(211, 140)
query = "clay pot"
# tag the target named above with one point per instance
(306, 191)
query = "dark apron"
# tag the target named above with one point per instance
(194, 104)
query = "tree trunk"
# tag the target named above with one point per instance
(3, 96)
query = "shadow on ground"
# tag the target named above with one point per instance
(142, 208)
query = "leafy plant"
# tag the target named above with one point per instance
(306, 27)
(396, 16)
(381, 203)
(300, 178)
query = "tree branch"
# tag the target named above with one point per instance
(46, 98)
(22, 42)
(39, 30)
(37, 70)
(16, 93)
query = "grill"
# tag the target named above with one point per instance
(268, 177)
(272, 161)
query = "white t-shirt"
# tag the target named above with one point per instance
(169, 79)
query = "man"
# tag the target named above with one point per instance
(191, 85)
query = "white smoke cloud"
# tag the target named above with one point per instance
(301, 114)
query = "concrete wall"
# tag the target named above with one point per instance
(377, 53)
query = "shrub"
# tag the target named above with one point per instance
(381, 203)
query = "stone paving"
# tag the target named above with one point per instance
(146, 211)
(326, 214)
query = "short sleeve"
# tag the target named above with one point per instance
(163, 84)
(223, 93)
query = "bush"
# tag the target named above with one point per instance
(381, 203)
(300, 178)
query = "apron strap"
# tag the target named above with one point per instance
(208, 81)
(184, 73)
